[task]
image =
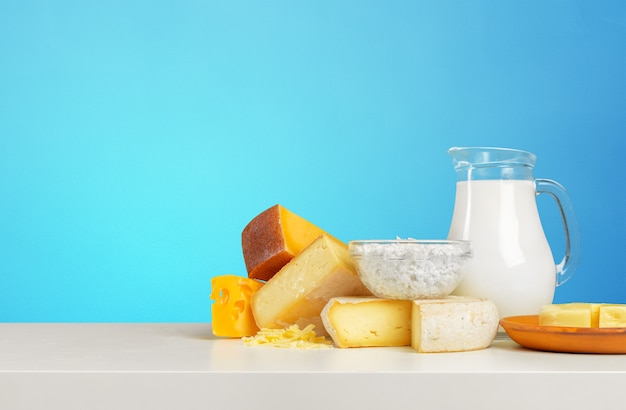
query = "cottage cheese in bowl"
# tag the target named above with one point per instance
(409, 268)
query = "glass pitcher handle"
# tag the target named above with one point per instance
(569, 263)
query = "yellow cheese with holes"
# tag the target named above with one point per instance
(612, 316)
(300, 290)
(231, 312)
(273, 238)
(453, 324)
(368, 321)
(574, 314)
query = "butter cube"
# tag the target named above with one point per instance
(612, 316)
(570, 315)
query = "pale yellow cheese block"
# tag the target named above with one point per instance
(453, 324)
(611, 316)
(368, 321)
(574, 314)
(299, 291)
(570, 314)
(582, 314)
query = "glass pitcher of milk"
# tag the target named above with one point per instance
(495, 209)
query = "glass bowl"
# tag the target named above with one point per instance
(410, 269)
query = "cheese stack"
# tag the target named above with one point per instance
(300, 277)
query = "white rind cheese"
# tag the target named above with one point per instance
(368, 321)
(453, 324)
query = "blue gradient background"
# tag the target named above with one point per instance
(138, 138)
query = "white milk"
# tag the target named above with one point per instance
(512, 263)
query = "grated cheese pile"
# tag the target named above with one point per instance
(292, 337)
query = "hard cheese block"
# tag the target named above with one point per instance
(273, 238)
(453, 324)
(300, 290)
(570, 315)
(231, 312)
(368, 321)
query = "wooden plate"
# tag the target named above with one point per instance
(525, 330)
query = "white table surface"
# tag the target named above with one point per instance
(183, 366)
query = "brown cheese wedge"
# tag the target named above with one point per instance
(273, 238)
